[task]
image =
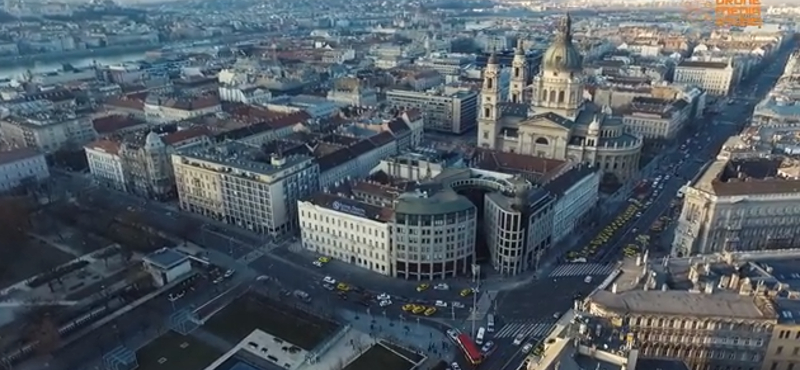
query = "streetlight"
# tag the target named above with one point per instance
(476, 280)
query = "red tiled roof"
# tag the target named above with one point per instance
(187, 134)
(108, 146)
(114, 122)
(289, 120)
(126, 102)
(13, 155)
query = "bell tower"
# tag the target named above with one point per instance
(519, 74)
(490, 96)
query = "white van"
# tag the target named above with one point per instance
(587, 279)
(490, 323)
(479, 337)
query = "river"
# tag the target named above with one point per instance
(49, 66)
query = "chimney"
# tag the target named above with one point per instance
(614, 288)
(709, 288)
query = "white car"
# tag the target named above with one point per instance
(556, 315)
(385, 303)
(518, 339)
(455, 366)
(263, 278)
(488, 347)
(441, 286)
(527, 347)
(441, 304)
(384, 297)
(229, 273)
(317, 263)
(329, 280)
(457, 304)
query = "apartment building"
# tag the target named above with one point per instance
(167, 108)
(740, 204)
(654, 118)
(244, 93)
(244, 185)
(447, 110)
(352, 91)
(577, 192)
(47, 131)
(716, 78)
(139, 162)
(783, 352)
(20, 167)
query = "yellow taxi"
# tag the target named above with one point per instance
(324, 259)
(418, 310)
(409, 307)
(466, 292)
(430, 311)
(422, 287)
(343, 287)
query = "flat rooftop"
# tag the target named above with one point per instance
(165, 258)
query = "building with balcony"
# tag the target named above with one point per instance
(653, 118)
(447, 109)
(715, 78)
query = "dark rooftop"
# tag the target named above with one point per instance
(532, 168)
(753, 176)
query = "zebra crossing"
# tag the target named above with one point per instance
(528, 329)
(582, 269)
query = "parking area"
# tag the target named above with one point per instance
(173, 351)
(379, 357)
(253, 311)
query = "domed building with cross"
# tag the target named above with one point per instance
(552, 118)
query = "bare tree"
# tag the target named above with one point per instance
(41, 327)
(14, 227)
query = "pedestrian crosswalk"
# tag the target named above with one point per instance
(528, 329)
(582, 269)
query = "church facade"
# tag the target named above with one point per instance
(553, 118)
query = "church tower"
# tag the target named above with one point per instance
(489, 115)
(558, 87)
(519, 74)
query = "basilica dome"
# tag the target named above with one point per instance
(562, 56)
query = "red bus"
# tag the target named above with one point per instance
(471, 351)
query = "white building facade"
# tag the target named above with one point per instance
(342, 231)
(105, 164)
(20, 165)
(576, 201)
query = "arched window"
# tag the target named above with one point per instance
(552, 96)
(544, 95)
(542, 141)
(516, 72)
(487, 112)
(489, 83)
(561, 96)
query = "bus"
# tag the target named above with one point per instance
(471, 351)
(480, 336)
(490, 323)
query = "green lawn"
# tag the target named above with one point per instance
(251, 312)
(173, 351)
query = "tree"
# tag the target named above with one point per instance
(15, 224)
(41, 327)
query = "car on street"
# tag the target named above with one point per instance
(323, 259)
(527, 348)
(430, 311)
(442, 304)
(519, 339)
(328, 286)
(229, 273)
(384, 297)
(466, 292)
(385, 303)
(457, 304)
(423, 287)
(343, 287)
(441, 286)
(455, 366)
(487, 348)
(218, 280)
(329, 280)
(317, 263)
